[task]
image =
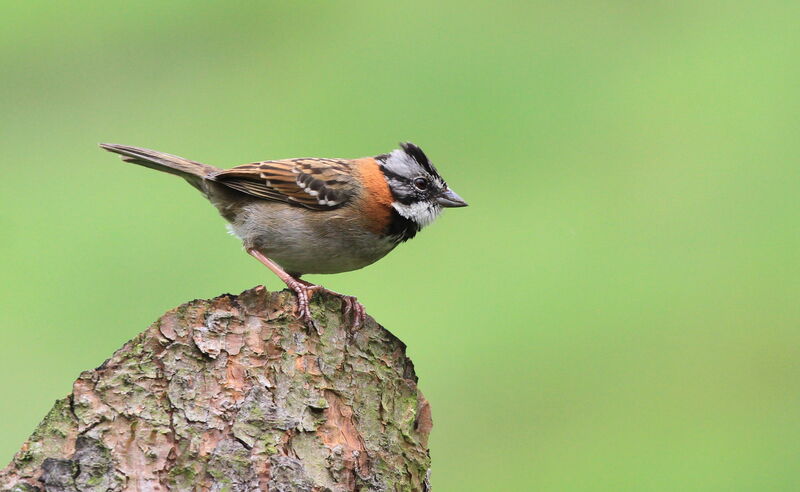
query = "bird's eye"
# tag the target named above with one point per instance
(421, 184)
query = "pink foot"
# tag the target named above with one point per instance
(304, 292)
(350, 305)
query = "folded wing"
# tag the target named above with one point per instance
(317, 184)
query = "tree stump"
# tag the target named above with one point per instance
(235, 394)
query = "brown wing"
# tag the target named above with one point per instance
(318, 184)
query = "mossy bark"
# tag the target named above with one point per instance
(234, 394)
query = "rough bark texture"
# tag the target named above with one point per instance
(234, 394)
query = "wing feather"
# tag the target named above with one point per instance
(319, 184)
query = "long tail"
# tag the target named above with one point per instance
(191, 171)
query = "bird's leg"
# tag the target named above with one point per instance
(349, 303)
(303, 290)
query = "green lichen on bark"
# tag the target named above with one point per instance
(54, 436)
(235, 394)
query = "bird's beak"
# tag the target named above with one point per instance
(450, 199)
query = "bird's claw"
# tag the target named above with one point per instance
(304, 293)
(350, 305)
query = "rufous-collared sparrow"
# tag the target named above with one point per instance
(315, 215)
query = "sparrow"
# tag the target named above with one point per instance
(316, 215)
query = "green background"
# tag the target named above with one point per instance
(616, 310)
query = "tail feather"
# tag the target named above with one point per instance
(194, 172)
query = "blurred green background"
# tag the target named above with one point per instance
(616, 310)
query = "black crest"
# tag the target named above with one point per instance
(418, 155)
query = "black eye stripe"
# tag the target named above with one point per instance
(393, 175)
(406, 200)
(397, 177)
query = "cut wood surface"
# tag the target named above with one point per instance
(235, 394)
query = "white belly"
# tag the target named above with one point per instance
(305, 241)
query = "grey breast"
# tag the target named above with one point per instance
(308, 241)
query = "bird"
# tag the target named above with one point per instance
(316, 215)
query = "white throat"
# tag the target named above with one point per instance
(423, 213)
